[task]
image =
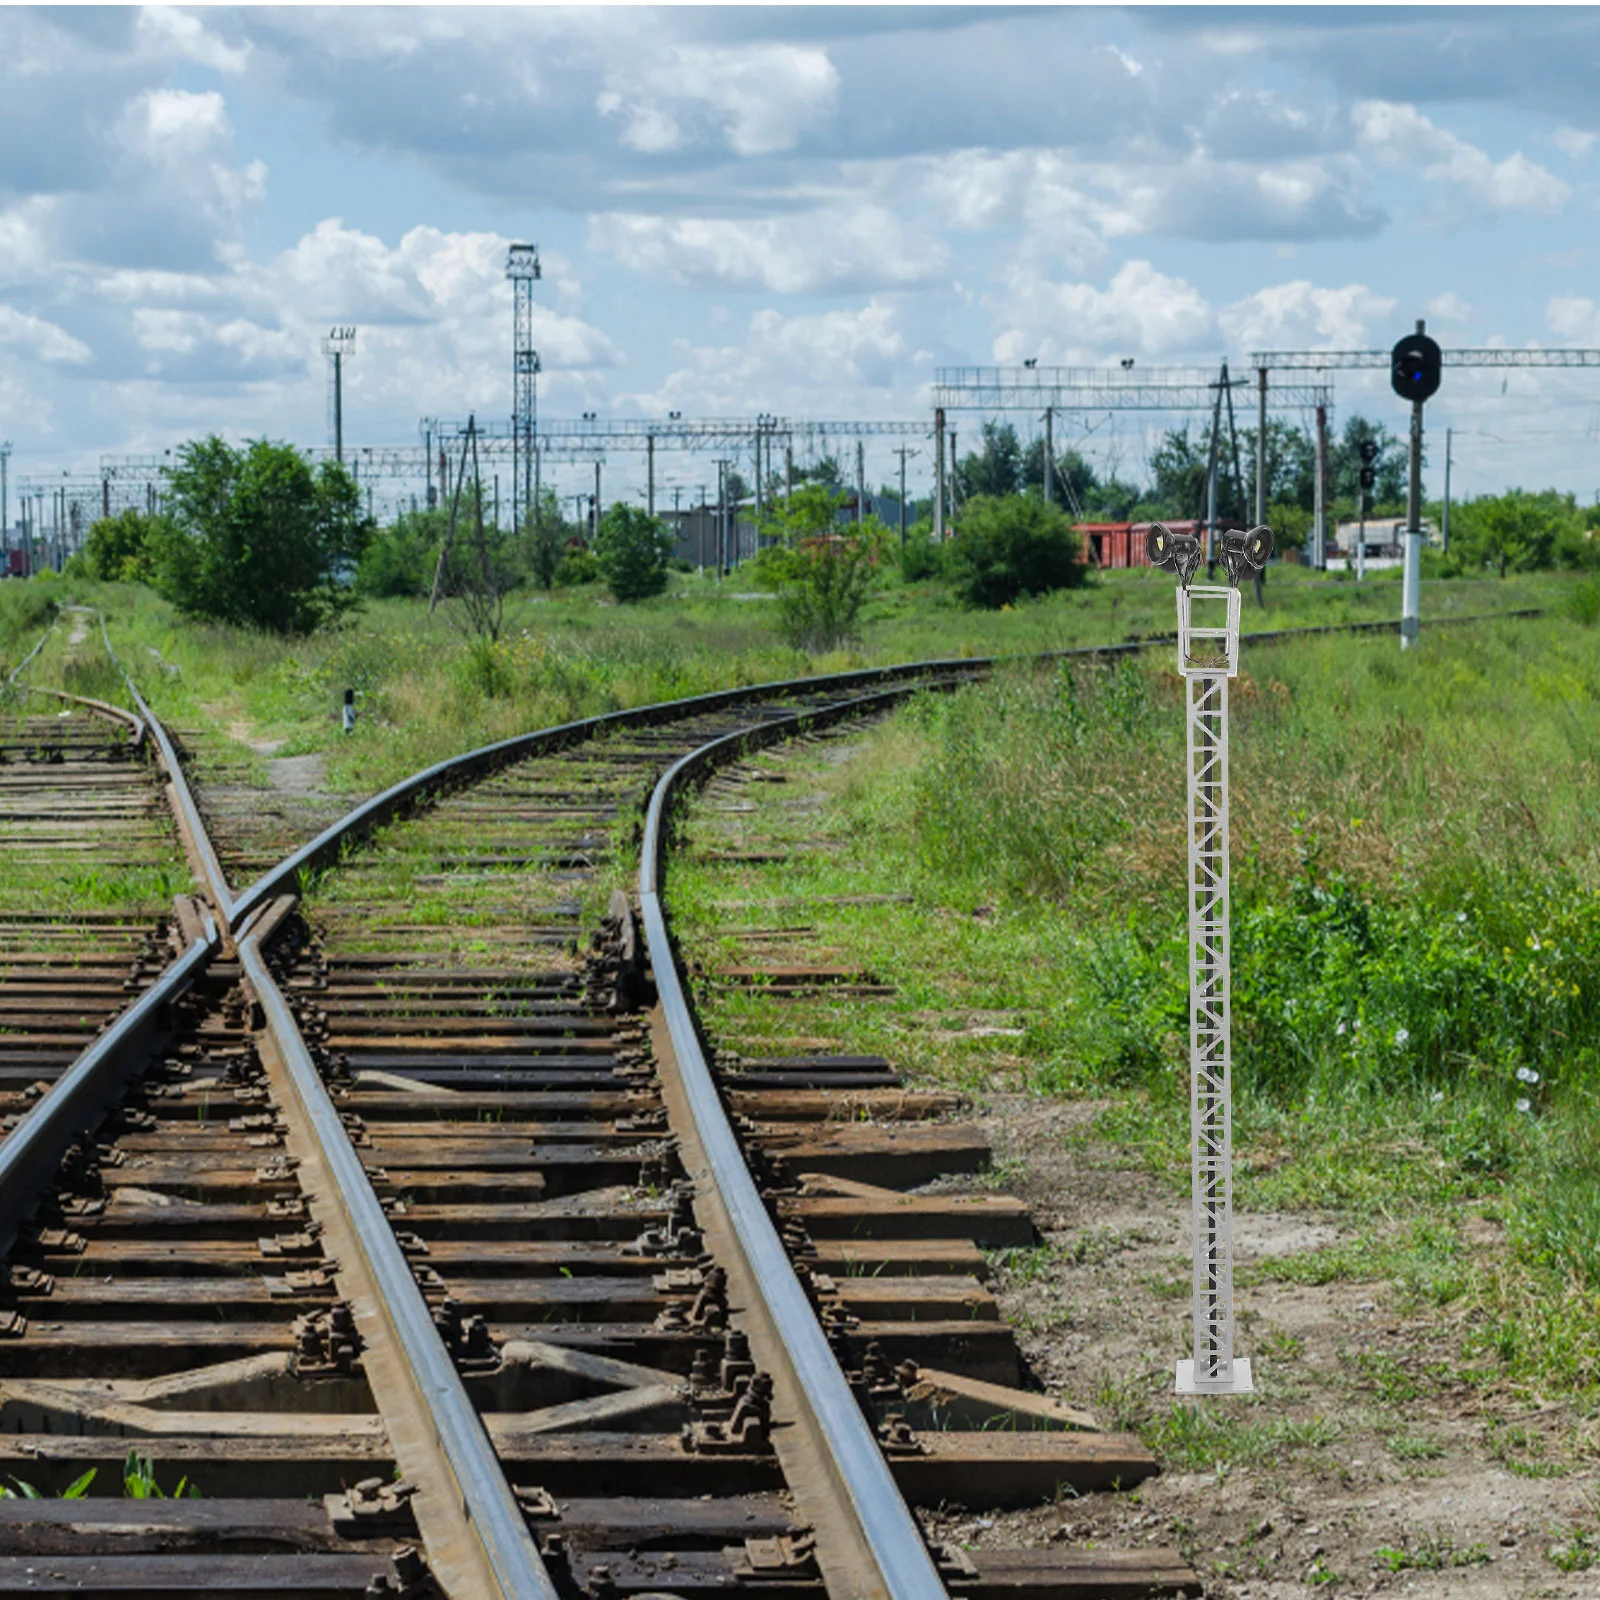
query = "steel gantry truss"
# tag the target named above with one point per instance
(1048, 390)
(1329, 360)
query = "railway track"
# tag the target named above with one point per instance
(436, 1253)
(414, 1242)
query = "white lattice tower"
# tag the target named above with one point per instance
(1208, 655)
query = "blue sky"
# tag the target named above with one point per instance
(801, 211)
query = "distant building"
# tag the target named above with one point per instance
(1384, 536)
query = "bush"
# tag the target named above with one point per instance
(125, 548)
(920, 557)
(1584, 602)
(398, 562)
(820, 571)
(632, 549)
(1007, 548)
(576, 567)
(257, 538)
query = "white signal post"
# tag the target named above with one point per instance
(1208, 656)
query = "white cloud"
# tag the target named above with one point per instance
(1575, 317)
(1449, 307)
(1299, 315)
(1141, 312)
(760, 98)
(169, 31)
(798, 365)
(35, 337)
(1574, 143)
(860, 247)
(184, 141)
(1399, 135)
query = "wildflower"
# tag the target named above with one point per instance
(1339, 1030)
(1461, 916)
(1524, 1105)
(1527, 1075)
(1438, 1097)
(1401, 1035)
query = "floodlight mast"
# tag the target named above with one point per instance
(1208, 655)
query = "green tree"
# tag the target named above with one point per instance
(1390, 465)
(546, 539)
(633, 549)
(1178, 473)
(398, 561)
(257, 537)
(821, 572)
(1010, 547)
(1517, 531)
(1291, 465)
(995, 468)
(126, 547)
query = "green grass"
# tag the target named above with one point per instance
(425, 690)
(1416, 956)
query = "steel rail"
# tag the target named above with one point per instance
(81, 1096)
(11, 677)
(191, 827)
(99, 707)
(473, 764)
(476, 763)
(480, 1486)
(889, 1556)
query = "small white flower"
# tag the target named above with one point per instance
(1438, 1097)
(1461, 916)
(1524, 1105)
(1527, 1075)
(1401, 1035)
(1339, 1030)
(1356, 1024)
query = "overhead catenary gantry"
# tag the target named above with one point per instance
(1048, 390)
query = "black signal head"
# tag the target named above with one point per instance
(1244, 553)
(1175, 552)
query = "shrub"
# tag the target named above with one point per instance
(632, 550)
(398, 562)
(920, 557)
(125, 547)
(575, 567)
(821, 571)
(1007, 548)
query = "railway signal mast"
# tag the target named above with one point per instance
(338, 347)
(1208, 655)
(1414, 376)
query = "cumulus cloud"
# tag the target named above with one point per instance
(1302, 316)
(855, 248)
(1575, 317)
(759, 98)
(43, 340)
(1398, 135)
(185, 141)
(1574, 143)
(169, 31)
(800, 364)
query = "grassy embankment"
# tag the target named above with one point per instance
(1416, 859)
(425, 690)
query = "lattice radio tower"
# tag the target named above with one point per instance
(338, 347)
(522, 268)
(1208, 655)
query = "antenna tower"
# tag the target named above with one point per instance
(522, 268)
(339, 345)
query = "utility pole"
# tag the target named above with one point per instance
(1261, 447)
(5, 505)
(650, 475)
(861, 482)
(1319, 529)
(1049, 455)
(340, 343)
(595, 534)
(1444, 527)
(938, 475)
(1212, 460)
(722, 517)
(903, 451)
